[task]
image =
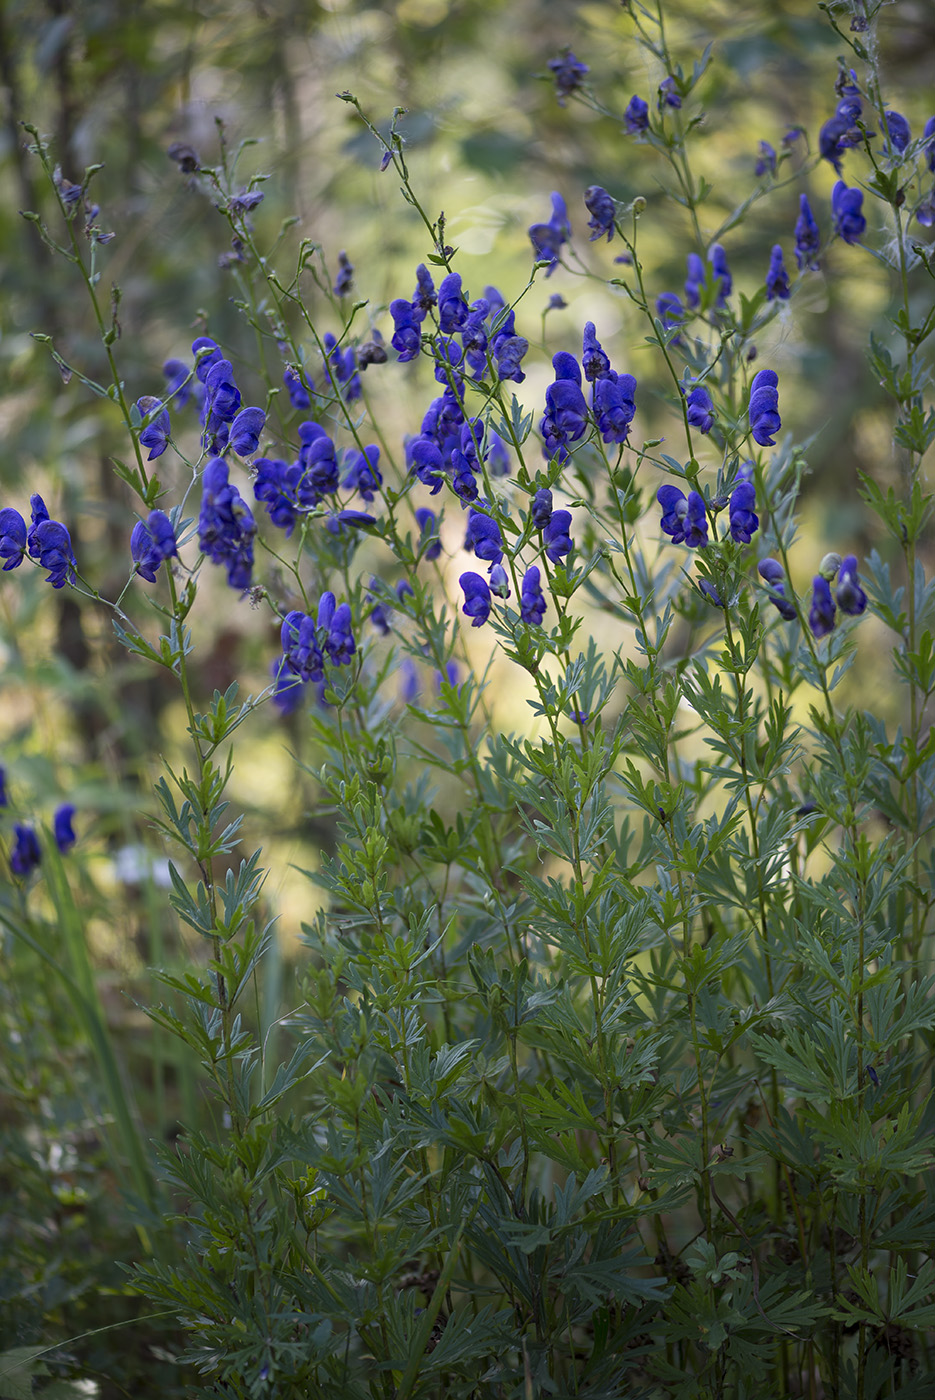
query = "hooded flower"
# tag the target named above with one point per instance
(849, 222)
(484, 538)
(807, 237)
(602, 210)
(26, 855)
(477, 600)
(547, 239)
(685, 521)
(541, 509)
(12, 538)
(700, 409)
(636, 116)
(566, 412)
(777, 278)
(743, 518)
(531, 598)
(614, 405)
(897, 128)
(851, 598)
(155, 435)
(764, 407)
(569, 74)
(54, 551)
(151, 542)
(557, 536)
(226, 526)
(245, 431)
(821, 614)
(62, 829)
(771, 571)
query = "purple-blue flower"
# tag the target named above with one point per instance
(178, 384)
(777, 278)
(594, 362)
(406, 339)
(362, 472)
(54, 552)
(12, 538)
(339, 643)
(62, 829)
(245, 431)
(700, 409)
(547, 239)
(151, 542)
(670, 310)
(452, 307)
(569, 74)
(566, 412)
(771, 571)
(636, 116)
(695, 281)
(541, 510)
(483, 537)
(499, 581)
(849, 222)
(851, 598)
(477, 600)
(766, 161)
(764, 407)
(4, 799)
(669, 95)
(898, 130)
(614, 405)
(743, 518)
(300, 648)
(207, 354)
(685, 521)
(928, 143)
(298, 394)
(602, 210)
(557, 536)
(807, 237)
(821, 614)
(288, 688)
(722, 273)
(344, 281)
(531, 598)
(428, 531)
(26, 855)
(155, 435)
(226, 526)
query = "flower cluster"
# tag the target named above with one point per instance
(46, 541)
(26, 852)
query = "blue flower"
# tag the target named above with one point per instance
(339, 643)
(477, 600)
(300, 648)
(777, 278)
(603, 211)
(668, 93)
(695, 281)
(362, 472)
(766, 161)
(452, 306)
(531, 598)
(341, 368)
(722, 273)
(156, 434)
(207, 354)
(614, 405)
(764, 407)
(483, 537)
(499, 581)
(424, 297)
(428, 531)
(12, 538)
(685, 521)
(928, 143)
(708, 591)
(474, 337)
(298, 394)
(897, 128)
(807, 237)
(743, 518)
(851, 598)
(319, 465)
(771, 571)
(569, 74)
(566, 413)
(593, 360)
(26, 854)
(821, 615)
(221, 402)
(275, 485)
(62, 829)
(557, 536)
(670, 310)
(54, 551)
(547, 239)
(245, 431)
(178, 383)
(700, 409)
(151, 542)
(636, 116)
(849, 222)
(344, 281)
(226, 526)
(425, 462)
(541, 510)
(288, 688)
(834, 138)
